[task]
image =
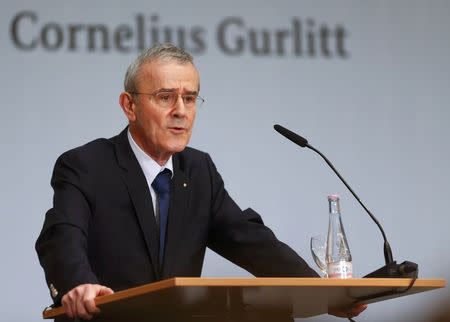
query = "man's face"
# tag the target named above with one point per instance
(162, 131)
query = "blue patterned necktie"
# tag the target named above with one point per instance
(161, 185)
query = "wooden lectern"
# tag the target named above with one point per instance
(247, 299)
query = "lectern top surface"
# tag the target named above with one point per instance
(243, 297)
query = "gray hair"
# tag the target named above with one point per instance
(164, 52)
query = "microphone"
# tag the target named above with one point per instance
(391, 269)
(297, 139)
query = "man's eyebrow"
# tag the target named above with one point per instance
(169, 90)
(159, 90)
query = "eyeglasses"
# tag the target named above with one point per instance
(167, 99)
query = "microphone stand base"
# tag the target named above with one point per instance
(394, 270)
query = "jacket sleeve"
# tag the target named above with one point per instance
(241, 237)
(62, 243)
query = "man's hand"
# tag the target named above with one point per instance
(79, 301)
(350, 312)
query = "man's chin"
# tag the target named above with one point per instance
(177, 148)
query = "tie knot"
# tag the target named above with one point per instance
(161, 184)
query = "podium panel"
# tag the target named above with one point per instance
(247, 299)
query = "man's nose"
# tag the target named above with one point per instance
(179, 107)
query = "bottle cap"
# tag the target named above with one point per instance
(334, 197)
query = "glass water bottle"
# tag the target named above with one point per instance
(338, 257)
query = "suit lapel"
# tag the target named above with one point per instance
(179, 197)
(140, 195)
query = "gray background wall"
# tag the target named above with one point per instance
(381, 114)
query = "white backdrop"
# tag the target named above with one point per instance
(377, 105)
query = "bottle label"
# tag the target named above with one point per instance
(341, 269)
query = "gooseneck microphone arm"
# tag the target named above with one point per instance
(297, 139)
(387, 248)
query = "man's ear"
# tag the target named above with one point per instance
(127, 103)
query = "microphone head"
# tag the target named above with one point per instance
(297, 139)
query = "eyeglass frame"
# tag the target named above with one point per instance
(198, 98)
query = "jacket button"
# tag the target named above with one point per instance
(53, 291)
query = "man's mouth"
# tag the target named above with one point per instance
(177, 129)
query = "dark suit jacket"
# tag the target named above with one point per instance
(102, 229)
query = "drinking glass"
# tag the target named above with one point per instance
(318, 246)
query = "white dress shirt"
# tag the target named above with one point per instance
(150, 168)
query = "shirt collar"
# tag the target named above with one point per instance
(149, 166)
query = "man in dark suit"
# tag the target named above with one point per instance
(110, 229)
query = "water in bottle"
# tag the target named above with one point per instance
(338, 257)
